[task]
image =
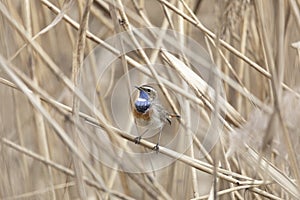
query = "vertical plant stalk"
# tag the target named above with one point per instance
(78, 57)
(281, 41)
(38, 117)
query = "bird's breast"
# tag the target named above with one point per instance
(142, 115)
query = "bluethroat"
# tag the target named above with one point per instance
(149, 113)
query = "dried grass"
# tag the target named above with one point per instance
(244, 136)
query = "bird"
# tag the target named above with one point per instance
(149, 113)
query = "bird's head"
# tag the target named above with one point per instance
(147, 93)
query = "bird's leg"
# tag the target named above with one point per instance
(156, 147)
(137, 140)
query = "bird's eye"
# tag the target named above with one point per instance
(148, 90)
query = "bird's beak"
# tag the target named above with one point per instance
(139, 88)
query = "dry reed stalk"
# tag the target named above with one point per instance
(48, 117)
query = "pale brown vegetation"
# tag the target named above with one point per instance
(47, 103)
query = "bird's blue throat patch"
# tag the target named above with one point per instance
(142, 104)
(143, 95)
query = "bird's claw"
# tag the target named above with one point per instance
(137, 140)
(156, 148)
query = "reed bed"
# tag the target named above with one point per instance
(229, 68)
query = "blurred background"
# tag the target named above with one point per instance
(237, 95)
